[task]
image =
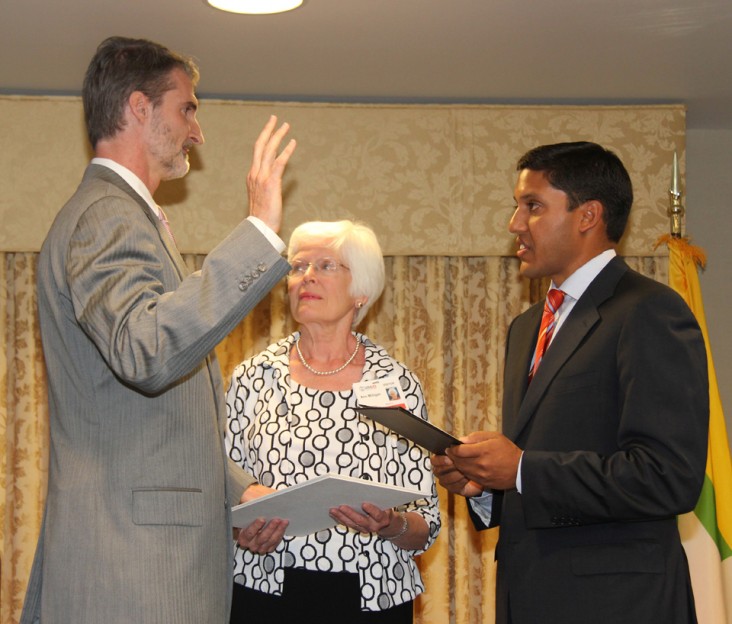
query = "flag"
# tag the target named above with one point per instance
(707, 531)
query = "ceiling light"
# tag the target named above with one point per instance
(255, 7)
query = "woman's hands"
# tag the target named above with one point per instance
(261, 536)
(386, 523)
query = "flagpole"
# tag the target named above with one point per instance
(676, 208)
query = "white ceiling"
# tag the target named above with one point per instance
(475, 51)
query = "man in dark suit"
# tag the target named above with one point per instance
(604, 442)
(137, 525)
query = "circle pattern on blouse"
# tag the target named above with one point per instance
(285, 433)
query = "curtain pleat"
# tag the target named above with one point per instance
(23, 429)
(445, 317)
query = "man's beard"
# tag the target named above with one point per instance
(175, 166)
(173, 159)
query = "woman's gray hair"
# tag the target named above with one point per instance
(356, 246)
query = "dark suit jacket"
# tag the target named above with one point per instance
(136, 527)
(614, 431)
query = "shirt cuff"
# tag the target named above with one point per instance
(268, 232)
(482, 506)
(518, 474)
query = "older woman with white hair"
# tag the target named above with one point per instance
(293, 416)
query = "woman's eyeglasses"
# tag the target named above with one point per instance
(325, 266)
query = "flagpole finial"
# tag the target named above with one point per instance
(675, 208)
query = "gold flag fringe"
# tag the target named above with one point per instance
(685, 249)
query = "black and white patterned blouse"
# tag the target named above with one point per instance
(284, 433)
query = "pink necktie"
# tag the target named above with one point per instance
(554, 299)
(164, 220)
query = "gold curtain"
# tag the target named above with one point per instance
(23, 430)
(431, 179)
(445, 317)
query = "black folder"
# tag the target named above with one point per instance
(411, 427)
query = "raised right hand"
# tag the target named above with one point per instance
(264, 180)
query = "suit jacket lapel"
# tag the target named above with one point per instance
(581, 320)
(521, 344)
(106, 174)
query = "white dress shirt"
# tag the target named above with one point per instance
(141, 189)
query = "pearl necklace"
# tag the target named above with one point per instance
(333, 372)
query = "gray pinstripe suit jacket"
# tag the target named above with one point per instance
(136, 526)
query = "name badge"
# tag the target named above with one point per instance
(384, 392)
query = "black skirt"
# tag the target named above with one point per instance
(308, 596)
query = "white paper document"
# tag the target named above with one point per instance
(306, 505)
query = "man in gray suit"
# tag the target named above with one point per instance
(137, 524)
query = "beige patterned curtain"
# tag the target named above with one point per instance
(23, 429)
(445, 317)
(430, 179)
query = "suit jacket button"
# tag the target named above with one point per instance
(242, 286)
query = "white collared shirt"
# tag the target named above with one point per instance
(137, 185)
(141, 189)
(576, 285)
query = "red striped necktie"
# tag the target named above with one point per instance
(554, 299)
